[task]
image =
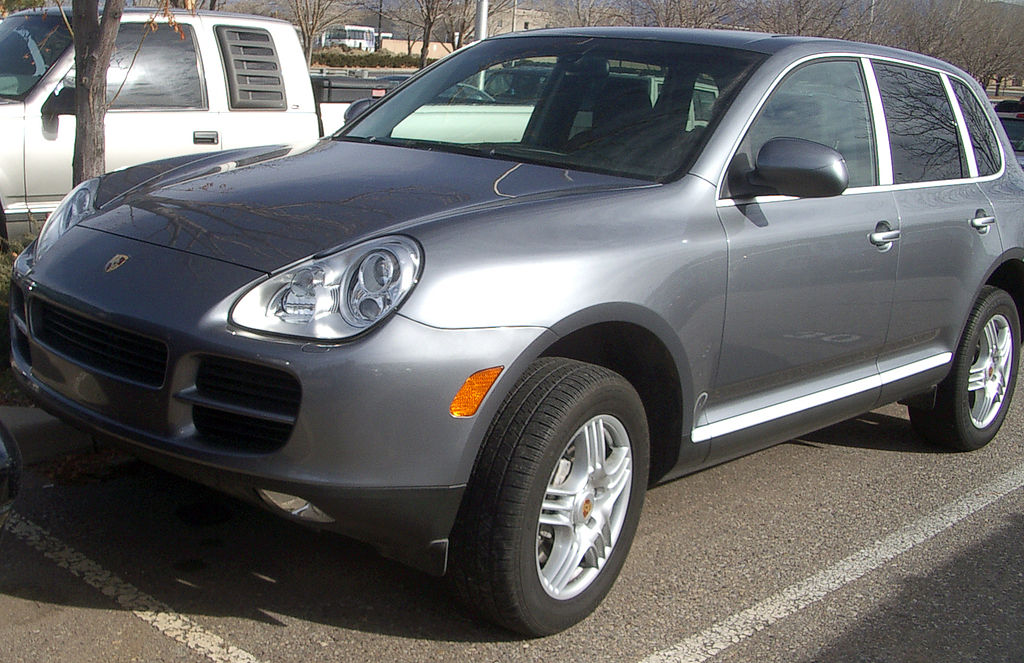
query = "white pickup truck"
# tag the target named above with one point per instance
(221, 81)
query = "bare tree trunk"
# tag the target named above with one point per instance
(94, 44)
(428, 27)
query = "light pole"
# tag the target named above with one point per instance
(481, 19)
(379, 41)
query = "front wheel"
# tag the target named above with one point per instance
(972, 401)
(555, 498)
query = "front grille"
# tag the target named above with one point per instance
(116, 352)
(249, 385)
(17, 302)
(244, 405)
(240, 431)
(21, 346)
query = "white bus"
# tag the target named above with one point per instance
(354, 36)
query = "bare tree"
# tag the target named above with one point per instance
(312, 17)
(686, 13)
(460, 20)
(420, 16)
(94, 44)
(10, 6)
(258, 7)
(427, 14)
(843, 19)
(993, 50)
(924, 26)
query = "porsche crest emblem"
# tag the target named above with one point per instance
(116, 262)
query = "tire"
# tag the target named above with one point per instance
(506, 564)
(969, 410)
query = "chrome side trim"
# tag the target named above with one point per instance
(734, 202)
(810, 401)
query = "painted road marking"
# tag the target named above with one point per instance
(150, 610)
(732, 630)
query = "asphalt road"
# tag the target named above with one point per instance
(856, 543)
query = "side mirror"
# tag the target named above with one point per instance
(798, 167)
(62, 102)
(358, 107)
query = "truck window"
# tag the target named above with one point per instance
(154, 69)
(29, 46)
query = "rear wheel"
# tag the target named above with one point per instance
(971, 402)
(553, 503)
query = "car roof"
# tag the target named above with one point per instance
(759, 42)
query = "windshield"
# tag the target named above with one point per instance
(635, 108)
(29, 45)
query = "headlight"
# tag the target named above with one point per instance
(336, 296)
(77, 205)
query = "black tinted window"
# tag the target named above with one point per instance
(824, 102)
(986, 148)
(922, 131)
(1015, 131)
(157, 69)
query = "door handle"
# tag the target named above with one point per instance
(205, 137)
(982, 222)
(884, 236)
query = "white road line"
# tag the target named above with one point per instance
(732, 630)
(157, 614)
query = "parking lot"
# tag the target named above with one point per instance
(855, 543)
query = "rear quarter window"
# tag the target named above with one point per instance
(983, 139)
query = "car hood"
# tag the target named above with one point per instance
(265, 209)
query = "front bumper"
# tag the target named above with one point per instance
(368, 439)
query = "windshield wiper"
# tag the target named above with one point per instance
(419, 144)
(535, 155)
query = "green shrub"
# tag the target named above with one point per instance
(338, 57)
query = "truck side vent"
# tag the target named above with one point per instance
(253, 68)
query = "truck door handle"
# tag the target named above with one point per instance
(205, 137)
(884, 236)
(982, 222)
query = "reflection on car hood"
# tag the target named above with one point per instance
(273, 207)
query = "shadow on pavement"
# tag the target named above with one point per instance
(206, 554)
(873, 430)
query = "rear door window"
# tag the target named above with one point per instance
(922, 129)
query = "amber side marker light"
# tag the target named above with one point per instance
(476, 386)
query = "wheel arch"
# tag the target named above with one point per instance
(639, 345)
(1008, 275)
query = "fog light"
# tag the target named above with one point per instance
(295, 506)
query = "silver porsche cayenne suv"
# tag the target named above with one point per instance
(475, 325)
